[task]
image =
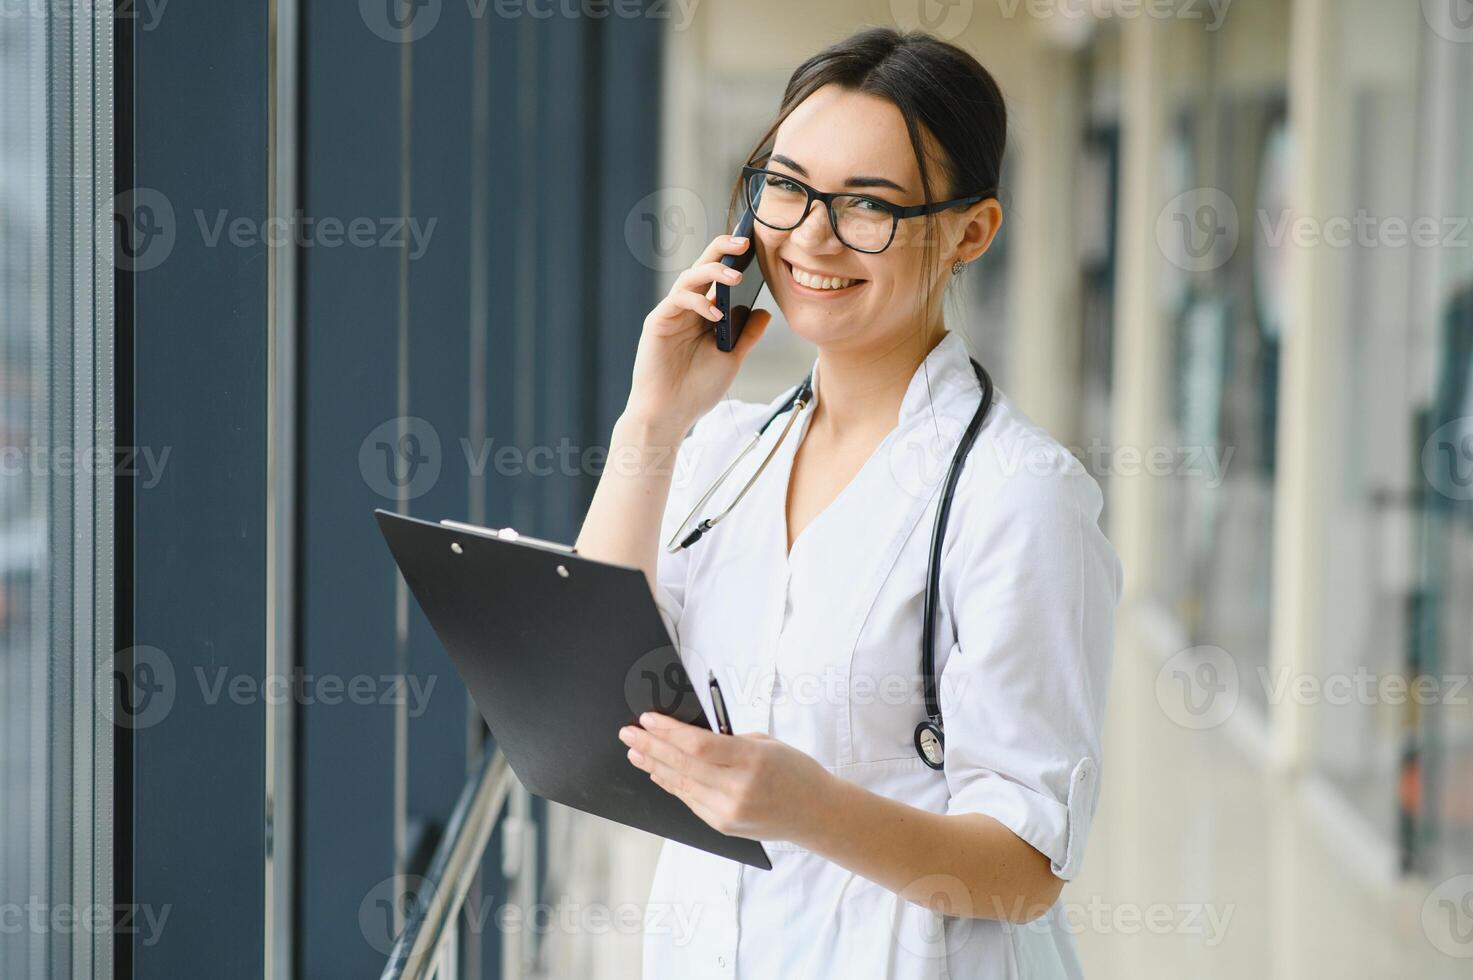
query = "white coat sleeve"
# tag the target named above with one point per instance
(1023, 689)
(691, 474)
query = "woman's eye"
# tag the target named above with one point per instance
(863, 205)
(783, 184)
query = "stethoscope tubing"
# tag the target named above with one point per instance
(929, 741)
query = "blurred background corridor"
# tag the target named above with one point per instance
(266, 267)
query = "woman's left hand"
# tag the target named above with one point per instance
(745, 785)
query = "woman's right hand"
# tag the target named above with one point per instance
(679, 372)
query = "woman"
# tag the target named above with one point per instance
(807, 599)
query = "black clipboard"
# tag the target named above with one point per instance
(559, 651)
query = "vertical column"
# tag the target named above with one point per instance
(1304, 471)
(197, 269)
(94, 952)
(354, 457)
(1139, 386)
(1141, 343)
(1045, 280)
(281, 499)
(444, 207)
(1305, 475)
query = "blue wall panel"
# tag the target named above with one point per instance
(431, 209)
(440, 379)
(199, 107)
(351, 122)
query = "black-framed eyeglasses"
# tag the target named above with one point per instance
(866, 224)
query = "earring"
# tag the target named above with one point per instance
(957, 267)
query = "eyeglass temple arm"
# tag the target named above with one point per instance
(916, 210)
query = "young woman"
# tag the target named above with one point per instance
(898, 850)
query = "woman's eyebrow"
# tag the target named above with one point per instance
(851, 182)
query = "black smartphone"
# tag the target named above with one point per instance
(735, 302)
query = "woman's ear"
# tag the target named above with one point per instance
(977, 229)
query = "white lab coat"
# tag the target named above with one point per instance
(822, 650)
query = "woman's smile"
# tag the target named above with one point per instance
(818, 284)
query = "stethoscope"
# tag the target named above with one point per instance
(929, 737)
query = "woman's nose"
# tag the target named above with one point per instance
(814, 231)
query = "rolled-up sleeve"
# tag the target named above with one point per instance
(1023, 688)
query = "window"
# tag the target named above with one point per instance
(55, 493)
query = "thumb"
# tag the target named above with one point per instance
(752, 332)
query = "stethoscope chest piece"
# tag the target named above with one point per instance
(930, 743)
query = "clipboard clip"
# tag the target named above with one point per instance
(508, 534)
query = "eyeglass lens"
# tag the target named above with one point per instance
(782, 203)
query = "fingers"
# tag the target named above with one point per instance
(694, 289)
(699, 743)
(670, 774)
(703, 800)
(688, 750)
(695, 762)
(687, 762)
(680, 300)
(709, 268)
(723, 245)
(675, 773)
(700, 275)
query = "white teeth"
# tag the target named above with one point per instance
(821, 282)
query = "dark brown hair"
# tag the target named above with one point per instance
(939, 89)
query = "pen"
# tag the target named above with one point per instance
(723, 722)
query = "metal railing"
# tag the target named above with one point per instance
(427, 945)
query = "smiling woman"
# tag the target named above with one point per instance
(874, 187)
(937, 120)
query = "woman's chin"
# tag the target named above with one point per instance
(825, 331)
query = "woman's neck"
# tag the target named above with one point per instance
(860, 389)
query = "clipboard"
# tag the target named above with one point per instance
(559, 651)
